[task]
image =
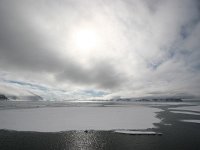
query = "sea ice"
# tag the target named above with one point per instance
(190, 108)
(185, 112)
(192, 121)
(137, 132)
(53, 119)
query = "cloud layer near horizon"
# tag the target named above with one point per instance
(145, 48)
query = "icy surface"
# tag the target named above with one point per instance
(193, 121)
(136, 132)
(185, 112)
(52, 119)
(190, 108)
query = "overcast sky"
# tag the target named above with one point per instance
(100, 48)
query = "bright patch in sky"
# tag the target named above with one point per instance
(85, 41)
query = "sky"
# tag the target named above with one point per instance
(100, 49)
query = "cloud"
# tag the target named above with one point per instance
(102, 74)
(144, 47)
(26, 90)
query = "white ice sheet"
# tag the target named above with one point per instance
(136, 132)
(185, 112)
(190, 108)
(52, 119)
(193, 121)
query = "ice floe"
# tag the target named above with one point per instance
(190, 108)
(192, 121)
(53, 119)
(185, 112)
(137, 132)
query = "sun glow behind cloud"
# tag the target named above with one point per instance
(85, 43)
(125, 48)
(85, 39)
(94, 41)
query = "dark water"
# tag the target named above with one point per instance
(177, 136)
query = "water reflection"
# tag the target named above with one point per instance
(85, 140)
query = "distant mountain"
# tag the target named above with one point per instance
(24, 97)
(31, 98)
(147, 100)
(161, 100)
(3, 97)
(122, 99)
